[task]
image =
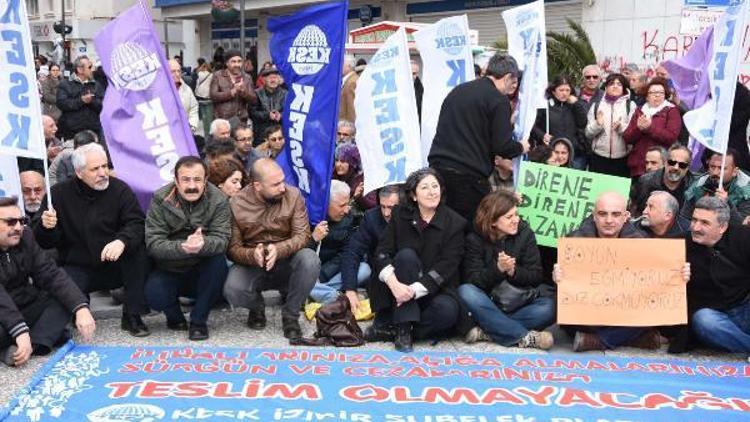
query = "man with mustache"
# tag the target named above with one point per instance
(674, 178)
(187, 233)
(661, 217)
(270, 230)
(96, 225)
(719, 290)
(33, 316)
(32, 187)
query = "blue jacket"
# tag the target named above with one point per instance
(361, 247)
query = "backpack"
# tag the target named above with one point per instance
(336, 326)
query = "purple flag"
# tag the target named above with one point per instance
(145, 125)
(689, 75)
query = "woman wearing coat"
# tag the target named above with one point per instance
(501, 264)
(655, 123)
(417, 262)
(49, 92)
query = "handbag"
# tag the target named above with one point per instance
(510, 298)
(336, 326)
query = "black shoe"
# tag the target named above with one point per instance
(198, 332)
(403, 341)
(256, 318)
(134, 325)
(7, 355)
(179, 325)
(373, 333)
(291, 328)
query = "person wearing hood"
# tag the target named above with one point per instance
(607, 120)
(563, 152)
(567, 118)
(656, 123)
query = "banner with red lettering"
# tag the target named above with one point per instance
(88, 383)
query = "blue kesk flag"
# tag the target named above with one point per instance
(308, 49)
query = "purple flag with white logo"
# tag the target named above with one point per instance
(145, 125)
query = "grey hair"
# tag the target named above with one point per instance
(678, 146)
(78, 62)
(350, 61)
(592, 66)
(79, 155)
(347, 124)
(215, 125)
(339, 188)
(712, 203)
(662, 152)
(670, 202)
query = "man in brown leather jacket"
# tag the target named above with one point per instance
(232, 90)
(270, 230)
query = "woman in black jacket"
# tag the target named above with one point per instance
(503, 274)
(417, 262)
(567, 119)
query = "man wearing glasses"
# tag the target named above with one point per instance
(33, 316)
(675, 178)
(590, 91)
(80, 100)
(243, 142)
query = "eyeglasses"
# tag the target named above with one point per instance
(12, 221)
(658, 93)
(680, 164)
(591, 76)
(245, 139)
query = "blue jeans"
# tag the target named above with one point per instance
(327, 292)
(205, 281)
(614, 337)
(728, 330)
(506, 329)
(580, 162)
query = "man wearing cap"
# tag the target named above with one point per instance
(474, 126)
(270, 105)
(232, 90)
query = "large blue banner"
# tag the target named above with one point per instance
(308, 49)
(184, 383)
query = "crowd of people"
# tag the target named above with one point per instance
(445, 253)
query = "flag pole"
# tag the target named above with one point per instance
(721, 174)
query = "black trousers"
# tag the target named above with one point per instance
(611, 166)
(464, 192)
(431, 315)
(46, 318)
(130, 271)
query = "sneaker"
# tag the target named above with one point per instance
(650, 340)
(256, 318)
(7, 355)
(537, 340)
(373, 333)
(134, 325)
(291, 328)
(198, 332)
(586, 341)
(476, 334)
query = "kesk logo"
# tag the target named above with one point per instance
(450, 38)
(126, 412)
(309, 51)
(133, 67)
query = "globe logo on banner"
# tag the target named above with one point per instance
(450, 38)
(133, 67)
(126, 412)
(309, 51)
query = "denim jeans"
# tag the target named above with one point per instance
(506, 329)
(728, 330)
(327, 292)
(205, 280)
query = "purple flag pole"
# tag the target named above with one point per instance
(144, 123)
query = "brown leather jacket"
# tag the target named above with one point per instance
(254, 221)
(226, 105)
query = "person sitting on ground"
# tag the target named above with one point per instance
(502, 251)
(563, 152)
(228, 176)
(502, 174)
(661, 217)
(348, 169)
(332, 234)
(675, 178)
(543, 154)
(273, 142)
(219, 151)
(270, 230)
(417, 262)
(719, 290)
(187, 233)
(97, 227)
(243, 142)
(33, 315)
(33, 189)
(220, 131)
(656, 158)
(62, 168)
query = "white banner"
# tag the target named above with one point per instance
(447, 61)
(709, 124)
(21, 131)
(387, 121)
(10, 182)
(523, 23)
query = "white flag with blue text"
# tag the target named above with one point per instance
(21, 131)
(10, 183)
(447, 61)
(524, 24)
(387, 122)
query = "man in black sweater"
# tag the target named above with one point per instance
(475, 126)
(98, 229)
(719, 290)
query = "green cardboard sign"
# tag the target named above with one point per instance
(557, 199)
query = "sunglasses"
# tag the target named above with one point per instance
(591, 76)
(680, 164)
(12, 221)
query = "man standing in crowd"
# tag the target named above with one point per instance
(270, 105)
(719, 290)
(735, 189)
(97, 227)
(473, 127)
(187, 98)
(656, 158)
(661, 217)
(348, 87)
(187, 233)
(675, 178)
(591, 91)
(33, 190)
(33, 315)
(270, 230)
(232, 90)
(80, 100)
